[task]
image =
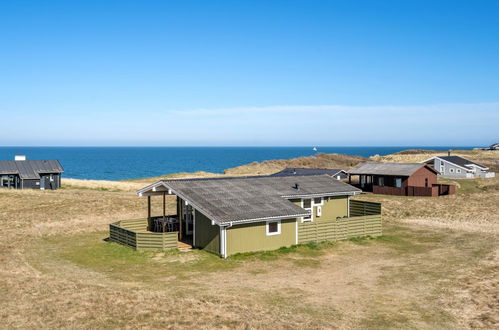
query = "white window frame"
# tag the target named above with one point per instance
(458, 170)
(319, 204)
(278, 232)
(397, 180)
(451, 170)
(311, 209)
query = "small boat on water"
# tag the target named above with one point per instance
(314, 149)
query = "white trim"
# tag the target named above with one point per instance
(278, 232)
(222, 242)
(320, 204)
(311, 209)
(346, 193)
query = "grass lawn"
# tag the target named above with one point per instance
(435, 266)
(392, 281)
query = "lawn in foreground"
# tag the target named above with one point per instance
(409, 277)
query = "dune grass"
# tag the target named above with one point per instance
(435, 266)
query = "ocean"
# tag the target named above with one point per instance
(120, 163)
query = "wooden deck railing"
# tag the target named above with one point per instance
(364, 220)
(133, 233)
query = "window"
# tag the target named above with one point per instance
(426, 182)
(307, 205)
(318, 201)
(381, 181)
(273, 228)
(451, 170)
(398, 182)
(458, 170)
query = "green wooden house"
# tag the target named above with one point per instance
(226, 216)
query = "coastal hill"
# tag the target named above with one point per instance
(318, 161)
(438, 254)
(486, 157)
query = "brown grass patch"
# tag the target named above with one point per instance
(435, 267)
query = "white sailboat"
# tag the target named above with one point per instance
(314, 149)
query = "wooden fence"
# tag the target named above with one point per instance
(339, 229)
(364, 220)
(133, 233)
(361, 208)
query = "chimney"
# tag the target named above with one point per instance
(20, 157)
(448, 153)
(296, 186)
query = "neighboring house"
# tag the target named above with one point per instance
(458, 168)
(226, 216)
(404, 179)
(336, 173)
(494, 146)
(35, 174)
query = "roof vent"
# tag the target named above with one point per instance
(448, 153)
(296, 186)
(294, 171)
(20, 157)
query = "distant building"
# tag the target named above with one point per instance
(458, 167)
(494, 146)
(21, 173)
(332, 172)
(403, 179)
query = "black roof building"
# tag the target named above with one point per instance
(36, 174)
(461, 161)
(337, 173)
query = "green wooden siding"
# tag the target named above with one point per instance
(338, 229)
(336, 206)
(133, 233)
(207, 235)
(253, 237)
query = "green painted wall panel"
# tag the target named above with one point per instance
(207, 235)
(253, 237)
(335, 206)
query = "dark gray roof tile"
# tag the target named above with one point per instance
(250, 198)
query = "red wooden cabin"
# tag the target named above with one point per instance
(403, 179)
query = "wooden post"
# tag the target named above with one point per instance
(180, 218)
(149, 226)
(164, 211)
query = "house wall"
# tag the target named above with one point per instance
(31, 184)
(47, 184)
(207, 235)
(333, 207)
(253, 237)
(449, 170)
(418, 178)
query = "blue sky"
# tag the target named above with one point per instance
(249, 72)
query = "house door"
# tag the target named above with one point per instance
(189, 220)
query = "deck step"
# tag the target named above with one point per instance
(183, 246)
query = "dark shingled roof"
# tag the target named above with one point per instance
(29, 169)
(252, 198)
(460, 161)
(376, 168)
(307, 171)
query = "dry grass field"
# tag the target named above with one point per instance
(435, 266)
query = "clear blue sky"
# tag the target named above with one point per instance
(249, 72)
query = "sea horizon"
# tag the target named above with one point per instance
(132, 162)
